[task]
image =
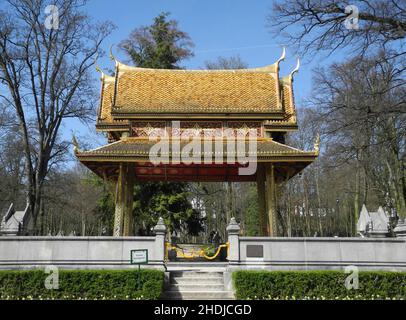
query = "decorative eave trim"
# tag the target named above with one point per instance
(105, 81)
(116, 76)
(125, 125)
(99, 111)
(178, 115)
(272, 68)
(133, 154)
(288, 81)
(281, 127)
(111, 129)
(306, 158)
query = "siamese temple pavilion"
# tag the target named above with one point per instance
(203, 116)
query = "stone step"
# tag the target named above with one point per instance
(196, 274)
(197, 280)
(196, 287)
(207, 265)
(198, 295)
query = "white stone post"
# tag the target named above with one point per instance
(233, 231)
(160, 232)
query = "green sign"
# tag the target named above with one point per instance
(139, 256)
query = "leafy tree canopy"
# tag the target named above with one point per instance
(161, 45)
(168, 200)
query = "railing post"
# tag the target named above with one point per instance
(233, 231)
(160, 232)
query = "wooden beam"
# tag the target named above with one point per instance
(271, 199)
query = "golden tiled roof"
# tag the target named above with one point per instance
(105, 119)
(227, 91)
(134, 148)
(140, 92)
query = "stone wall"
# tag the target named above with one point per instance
(323, 253)
(315, 253)
(244, 252)
(77, 252)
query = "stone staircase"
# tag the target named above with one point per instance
(197, 285)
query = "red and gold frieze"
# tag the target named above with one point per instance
(190, 129)
(148, 129)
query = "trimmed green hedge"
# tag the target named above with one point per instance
(83, 284)
(317, 285)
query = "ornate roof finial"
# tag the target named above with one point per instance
(112, 57)
(95, 59)
(317, 144)
(75, 144)
(282, 56)
(96, 65)
(296, 68)
(104, 76)
(98, 68)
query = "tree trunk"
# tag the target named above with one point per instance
(356, 192)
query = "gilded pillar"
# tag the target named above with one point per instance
(128, 227)
(124, 201)
(271, 199)
(262, 212)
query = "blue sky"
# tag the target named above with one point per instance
(217, 28)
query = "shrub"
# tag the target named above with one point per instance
(83, 284)
(318, 285)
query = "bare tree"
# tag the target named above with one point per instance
(359, 105)
(363, 119)
(328, 25)
(45, 78)
(233, 62)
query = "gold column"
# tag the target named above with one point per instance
(128, 228)
(124, 201)
(271, 199)
(118, 203)
(262, 214)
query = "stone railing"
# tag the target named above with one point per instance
(81, 252)
(314, 253)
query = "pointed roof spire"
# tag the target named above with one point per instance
(282, 56)
(104, 76)
(97, 67)
(75, 144)
(112, 57)
(316, 147)
(296, 68)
